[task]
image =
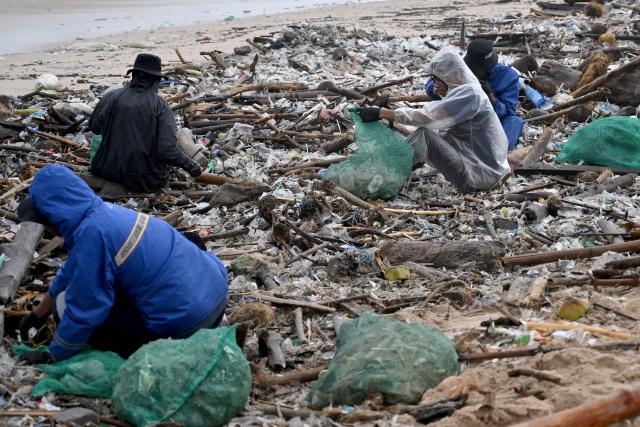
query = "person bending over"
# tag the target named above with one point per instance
(129, 279)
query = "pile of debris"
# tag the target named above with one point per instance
(531, 276)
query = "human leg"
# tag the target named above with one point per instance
(430, 147)
(124, 330)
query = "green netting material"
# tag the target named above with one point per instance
(202, 380)
(94, 146)
(612, 142)
(87, 374)
(380, 167)
(379, 354)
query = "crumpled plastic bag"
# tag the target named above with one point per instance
(379, 354)
(380, 167)
(87, 374)
(203, 380)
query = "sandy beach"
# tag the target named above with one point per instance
(81, 61)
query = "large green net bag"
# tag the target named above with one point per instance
(380, 167)
(383, 355)
(87, 374)
(612, 142)
(203, 380)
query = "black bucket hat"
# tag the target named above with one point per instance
(480, 57)
(147, 63)
(28, 212)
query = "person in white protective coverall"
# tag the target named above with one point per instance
(460, 135)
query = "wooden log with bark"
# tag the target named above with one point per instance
(449, 254)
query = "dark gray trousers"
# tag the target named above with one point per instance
(431, 148)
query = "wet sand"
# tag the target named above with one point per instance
(104, 59)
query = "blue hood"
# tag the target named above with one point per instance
(63, 198)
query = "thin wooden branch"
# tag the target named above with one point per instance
(543, 257)
(291, 302)
(541, 375)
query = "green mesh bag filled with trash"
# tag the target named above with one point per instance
(380, 167)
(198, 381)
(612, 142)
(87, 374)
(379, 354)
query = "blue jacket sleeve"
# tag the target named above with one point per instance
(59, 282)
(89, 275)
(430, 87)
(505, 86)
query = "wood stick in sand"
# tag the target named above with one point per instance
(299, 321)
(602, 412)
(544, 326)
(295, 303)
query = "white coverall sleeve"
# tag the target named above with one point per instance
(460, 105)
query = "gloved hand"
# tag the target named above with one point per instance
(369, 114)
(487, 89)
(382, 101)
(194, 169)
(31, 321)
(37, 357)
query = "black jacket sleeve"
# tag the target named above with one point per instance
(97, 121)
(168, 150)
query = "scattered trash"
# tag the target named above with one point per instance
(47, 82)
(572, 309)
(296, 214)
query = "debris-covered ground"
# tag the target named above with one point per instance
(272, 115)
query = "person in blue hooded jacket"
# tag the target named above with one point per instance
(500, 82)
(129, 278)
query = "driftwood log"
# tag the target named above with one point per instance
(602, 412)
(449, 254)
(19, 255)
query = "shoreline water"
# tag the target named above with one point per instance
(29, 29)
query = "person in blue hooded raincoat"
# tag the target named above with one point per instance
(500, 82)
(129, 278)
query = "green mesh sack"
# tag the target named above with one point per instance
(380, 167)
(94, 146)
(87, 374)
(379, 354)
(203, 380)
(612, 142)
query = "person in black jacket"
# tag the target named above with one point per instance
(138, 131)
